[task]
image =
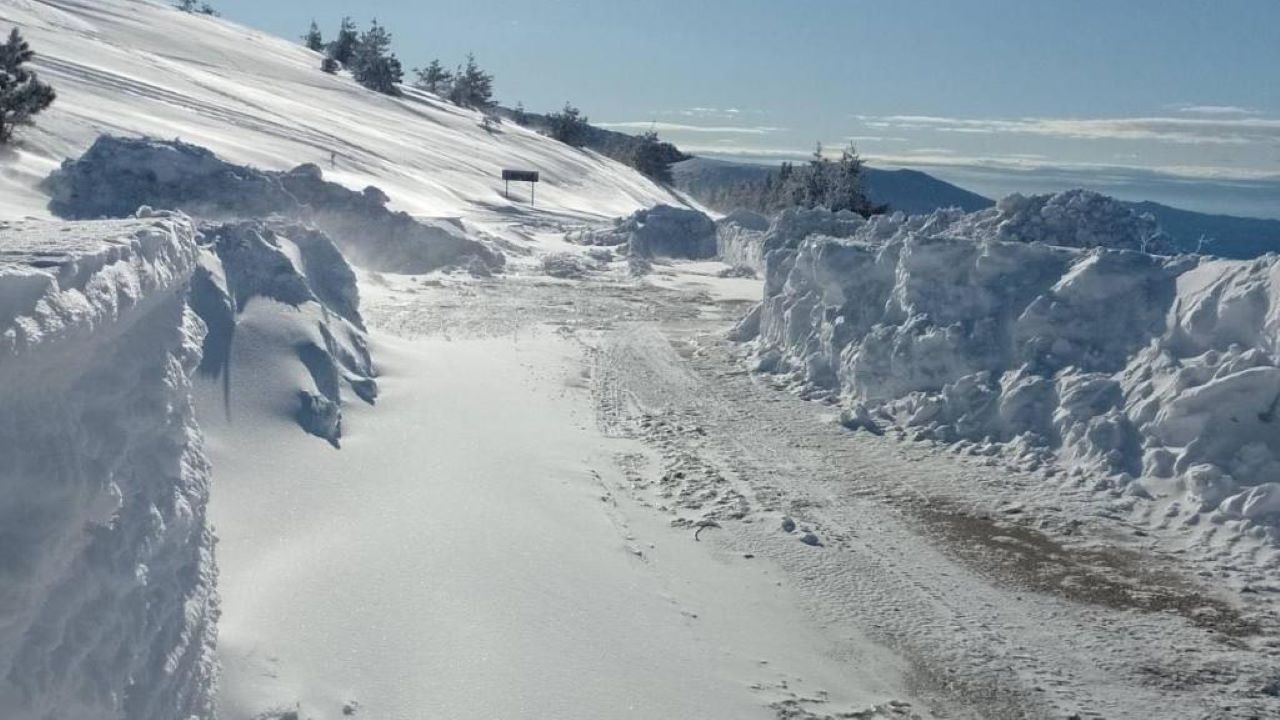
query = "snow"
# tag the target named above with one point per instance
(1041, 328)
(140, 67)
(464, 556)
(662, 230)
(107, 602)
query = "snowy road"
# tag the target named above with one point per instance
(567, 440)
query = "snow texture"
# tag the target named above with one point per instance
(107, 600)
(1040, 329)
(292, 266)
(661, 231)
(118, 175)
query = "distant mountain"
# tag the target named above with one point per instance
(915, 192)
(1226, 235)
(910, 191)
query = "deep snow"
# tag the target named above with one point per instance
(107, 603)
(1042, 327)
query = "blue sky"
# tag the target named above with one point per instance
(1169, 100)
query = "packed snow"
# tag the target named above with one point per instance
(1041, 328)
(107, 602)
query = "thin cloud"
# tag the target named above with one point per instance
(680, 127)
(1228, 130)
(1216, 110)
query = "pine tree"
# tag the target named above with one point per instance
(653, 158)
(373, 64)
(569, 126)
(433, 78)
(313, 39)
(472, 87)
(22, 95)
(343, 47)
(519, 116)
(186, 5)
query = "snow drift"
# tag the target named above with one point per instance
(658, 231)
(1044, 330)
(107, 601)
(118, 175)
(310, 305)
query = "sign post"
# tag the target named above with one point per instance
(529, 176)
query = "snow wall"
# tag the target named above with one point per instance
(1041, 330)
(107, 600)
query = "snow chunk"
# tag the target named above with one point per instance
(658, 231)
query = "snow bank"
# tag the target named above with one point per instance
(107, 601)
(116, 176)
(311, 292)
(1039, 329)
(658, 231)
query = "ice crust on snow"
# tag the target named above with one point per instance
(660, 231)
(293, 266)
(107, 599)
(116, 176)
(1043, 328)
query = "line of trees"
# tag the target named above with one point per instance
(369, 58)
(821, 182)
(367, 55)
(191, 6)
(22, 94)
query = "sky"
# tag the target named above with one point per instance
(1172, 100)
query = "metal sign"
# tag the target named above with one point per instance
(529, 176)
(520, 175)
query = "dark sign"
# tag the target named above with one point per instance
(520, 175)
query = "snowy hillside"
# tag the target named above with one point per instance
(140, 67)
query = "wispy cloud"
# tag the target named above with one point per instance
(1215, 110)
(683, 128)
(1223, 129)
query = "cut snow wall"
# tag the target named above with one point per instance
(1160, 374)
(107, 601)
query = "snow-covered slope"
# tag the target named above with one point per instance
(107, 602)
(1042, 328)
(140, 67)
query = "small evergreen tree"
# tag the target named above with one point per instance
(373, 64)
(433, 78)
(343, 47)
(330, 65)
(519, 116)
(313, 39)
(186, 5)
(207, 9)
(472, 87)
(22, 95)
(569, 126)
(653, 158)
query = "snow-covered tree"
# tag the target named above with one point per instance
(519, 115)
(373, 64)
(22, 94)
(433, 78)
(313, 39)
(569, 126)
(472, 87)
(343, 47)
